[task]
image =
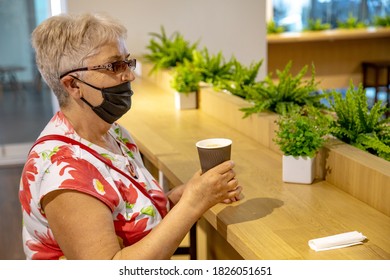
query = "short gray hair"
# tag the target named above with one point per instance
(63, 42)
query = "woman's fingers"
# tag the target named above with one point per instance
(235, 192)
(233, 195)
(229, 175)
(223, 167)
(217, 185)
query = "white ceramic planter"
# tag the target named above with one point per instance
(184, 101)
(298, 169)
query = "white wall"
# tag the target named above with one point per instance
(235, 27)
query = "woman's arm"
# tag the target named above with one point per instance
(175, 194)
(83, 225)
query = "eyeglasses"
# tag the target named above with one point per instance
(115, 67)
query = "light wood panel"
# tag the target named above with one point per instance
(362, 175)
(365, 176)
(162, 78)
(337, 55)
(274, 220)
(359, 173)
(226, 108)
(274, 214)
(329, 35)
(261, 127)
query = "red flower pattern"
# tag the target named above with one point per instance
(46, 247)
(159, 198)
(131, 231)
(86, 177)
(60, 120)
(132, 147)
(128, 193)
(28, 175)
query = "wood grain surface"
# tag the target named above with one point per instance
(274, 220)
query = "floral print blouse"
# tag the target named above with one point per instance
(54, 165)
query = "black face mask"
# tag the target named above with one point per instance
(116, 101)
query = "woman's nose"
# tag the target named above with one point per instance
(128, 75)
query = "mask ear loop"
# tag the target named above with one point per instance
(92, 86)
(88, 84)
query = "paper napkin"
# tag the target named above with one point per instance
(337, 241)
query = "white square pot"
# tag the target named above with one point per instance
(298, 169)
(185, 101)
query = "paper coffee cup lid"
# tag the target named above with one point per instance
(207, 143)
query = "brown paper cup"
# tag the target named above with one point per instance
(213, 151)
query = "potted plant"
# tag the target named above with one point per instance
(300, 135)
(382, 21)
(241, 77)
(358, 125)
(185, 82)
(213, 68)
(351, 23)
(165, 52)
(289, 93)
(273, 28)
(317, 25)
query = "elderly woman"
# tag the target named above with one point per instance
(85, 193)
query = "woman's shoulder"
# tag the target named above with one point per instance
(49, 146)
(58, 124)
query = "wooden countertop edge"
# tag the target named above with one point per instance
(328, 35)
(231, 235)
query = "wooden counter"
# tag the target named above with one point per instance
(274, 220)
(328, 35)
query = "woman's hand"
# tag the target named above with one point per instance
(216, 185)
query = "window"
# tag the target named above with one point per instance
(294, 15)
(17, 20)
(25, 102)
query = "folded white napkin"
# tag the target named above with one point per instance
(337, 241)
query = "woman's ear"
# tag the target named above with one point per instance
(71, 86)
